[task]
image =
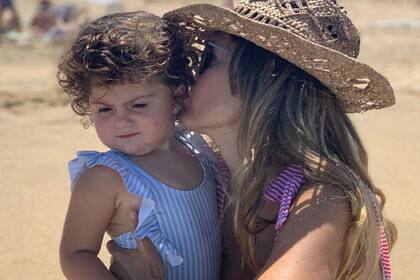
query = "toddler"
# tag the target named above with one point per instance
(126, 74)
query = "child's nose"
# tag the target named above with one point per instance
(123, 119)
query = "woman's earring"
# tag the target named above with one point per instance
(180, 91)
(177, 108)
(179, 94)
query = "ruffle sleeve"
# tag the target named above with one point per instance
(80, 163)
(148, 227)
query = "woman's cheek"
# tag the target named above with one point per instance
(201, 101)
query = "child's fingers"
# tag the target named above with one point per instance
(133, 214)
(133, 219)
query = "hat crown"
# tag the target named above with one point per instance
(323, 22)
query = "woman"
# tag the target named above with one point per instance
(275, 82)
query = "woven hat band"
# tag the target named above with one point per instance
(323, 22)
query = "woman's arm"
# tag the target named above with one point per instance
(310, 243)
(91, 207)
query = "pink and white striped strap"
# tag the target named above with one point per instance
(383, 239)
(283, 190)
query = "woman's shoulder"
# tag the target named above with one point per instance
(321, 207)
(300, 198)
(322, 198)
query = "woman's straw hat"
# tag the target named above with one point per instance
(315, 35)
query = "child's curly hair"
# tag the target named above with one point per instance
(123, 48)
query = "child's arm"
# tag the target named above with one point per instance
(91, 207)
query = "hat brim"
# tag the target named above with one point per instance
(357, 85)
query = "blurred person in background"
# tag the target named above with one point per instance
(58, 21)
(69, 19)
(9, 19)
(44, 17)
(111, 6)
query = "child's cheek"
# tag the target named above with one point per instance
(103, 129)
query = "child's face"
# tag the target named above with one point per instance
(134, 119)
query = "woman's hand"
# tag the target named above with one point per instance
(144, 263)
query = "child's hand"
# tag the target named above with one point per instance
(144, 263)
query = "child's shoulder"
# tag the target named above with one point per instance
(99, 177)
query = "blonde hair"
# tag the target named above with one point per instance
(289, 117)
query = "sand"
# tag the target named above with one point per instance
(39, 134)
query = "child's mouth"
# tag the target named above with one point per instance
(127, 135)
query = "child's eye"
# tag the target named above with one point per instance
(139, 105)
(104, 110)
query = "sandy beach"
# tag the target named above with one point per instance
(39, 134)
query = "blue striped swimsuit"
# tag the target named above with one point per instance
(183, 225)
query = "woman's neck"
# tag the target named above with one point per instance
(226, 141)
